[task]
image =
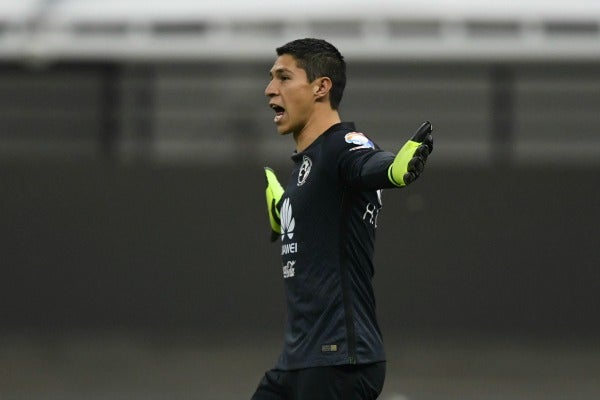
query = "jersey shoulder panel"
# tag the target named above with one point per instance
(347, 139)
(347, 149)
(344, 143)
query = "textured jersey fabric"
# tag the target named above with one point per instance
(329, 215)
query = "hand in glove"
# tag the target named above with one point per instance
(273, 193)
(411, 158)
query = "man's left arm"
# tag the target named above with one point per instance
(381, 169)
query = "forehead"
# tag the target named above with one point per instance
(286, 63)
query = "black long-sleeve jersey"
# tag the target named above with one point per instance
(329, 215)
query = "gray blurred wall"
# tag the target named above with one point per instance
(132, 199)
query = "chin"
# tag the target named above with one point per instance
(282, 131)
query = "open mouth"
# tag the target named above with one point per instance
(279, 111)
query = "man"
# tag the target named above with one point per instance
(326, 219)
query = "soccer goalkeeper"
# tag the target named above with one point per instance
(326, 218)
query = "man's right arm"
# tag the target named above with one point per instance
(273, 194)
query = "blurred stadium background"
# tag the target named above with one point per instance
(135, 261)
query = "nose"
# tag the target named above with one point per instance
(271, 90)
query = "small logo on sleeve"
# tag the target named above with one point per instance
(360, 140)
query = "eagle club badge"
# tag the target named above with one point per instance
(304, 170)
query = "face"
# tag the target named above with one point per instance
(290, 95)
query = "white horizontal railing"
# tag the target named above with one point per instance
(184, 29)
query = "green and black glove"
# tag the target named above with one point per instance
(411, 158)
(274, 192)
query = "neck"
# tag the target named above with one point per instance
(315, 127)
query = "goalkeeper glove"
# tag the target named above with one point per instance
(411, 158)
(274, 192)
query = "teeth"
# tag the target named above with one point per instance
(279, 112)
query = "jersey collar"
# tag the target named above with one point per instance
(340, 126)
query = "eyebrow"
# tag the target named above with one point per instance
(279, 71)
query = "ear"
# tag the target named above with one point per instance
(321, 87)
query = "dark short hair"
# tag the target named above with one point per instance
(319, 58)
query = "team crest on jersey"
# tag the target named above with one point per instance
(304, 170)
(360, 140)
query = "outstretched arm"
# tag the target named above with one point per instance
(382, 169)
